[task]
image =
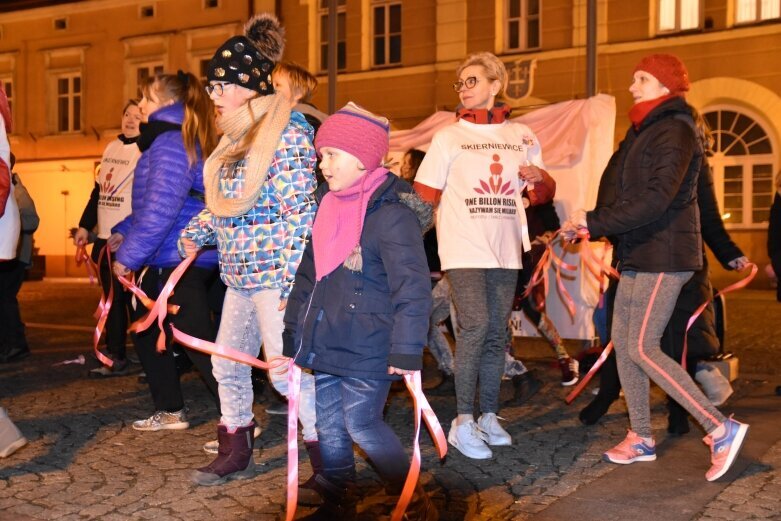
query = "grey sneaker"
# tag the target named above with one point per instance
(213, 447)
(162, 420)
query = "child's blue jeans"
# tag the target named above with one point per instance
(350, 410)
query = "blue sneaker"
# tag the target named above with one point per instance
(725, 450)
(632, 449)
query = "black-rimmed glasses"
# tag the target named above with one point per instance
(219, 88)
(468, 83)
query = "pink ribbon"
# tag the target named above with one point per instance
(540, 275)
(586, 379)
(422, 407)
(742, 283)
(104, 306)
(294, 387)
(83, 258)
(160, 308)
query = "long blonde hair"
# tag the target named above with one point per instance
(198, 127)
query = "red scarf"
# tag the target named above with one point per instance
(639, 111)
(338, 225)
(498, 114)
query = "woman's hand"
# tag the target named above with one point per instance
(396, 370)
(530, 173)
(120, 270)
(576, 222)
(115, 241)
(81, 237)
(739, 263)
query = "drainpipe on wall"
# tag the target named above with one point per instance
(591, 48)
(332, 30)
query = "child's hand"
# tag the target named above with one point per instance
(189, 246)
(396, 370)
(282, 304)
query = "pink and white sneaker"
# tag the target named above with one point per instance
(725, 450)
(632, 449)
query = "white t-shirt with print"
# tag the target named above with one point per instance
(115, 178)
(476, 168)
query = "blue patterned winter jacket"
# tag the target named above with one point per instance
(262, 248)
(167, 193)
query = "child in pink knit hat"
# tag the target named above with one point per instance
(358, 313)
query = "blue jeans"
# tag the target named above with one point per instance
(249, 318)
(350, 410)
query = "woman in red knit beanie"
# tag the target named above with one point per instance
(647, 205)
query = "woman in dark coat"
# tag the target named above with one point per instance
(657, 222)
(774, 235)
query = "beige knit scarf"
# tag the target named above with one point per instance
(258, 159)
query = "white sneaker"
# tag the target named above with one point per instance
(469, 440)
(494, 433)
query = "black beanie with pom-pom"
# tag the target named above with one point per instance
(248, 60)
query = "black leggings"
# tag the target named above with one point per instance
(193, 318)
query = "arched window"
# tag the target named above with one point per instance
(744, 165)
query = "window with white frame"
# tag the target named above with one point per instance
(68, 89)
(386, 35)
(743, 164)
(679, 15)
(749, 11)
(341, 35)
(8, 86)
(522, 28)
(144, 71)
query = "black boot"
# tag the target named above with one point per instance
(446, 386)
(609, 390)
(677, 418)
(338, 503)
(311, 493)
(524, 387)
(420, 507)
(234, 458)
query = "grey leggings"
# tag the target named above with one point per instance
(643, 306)
(483, 300)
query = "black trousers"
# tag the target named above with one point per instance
(194, 318)
(117, 321)
(12, 337)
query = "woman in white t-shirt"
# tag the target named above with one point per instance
(109, 203)
(475, 171)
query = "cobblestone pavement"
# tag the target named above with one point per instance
(85, 462)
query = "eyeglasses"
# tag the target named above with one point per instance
(219, 88)
(468, 83)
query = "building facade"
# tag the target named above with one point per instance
(71, 65)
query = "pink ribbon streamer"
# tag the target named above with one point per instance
(586, 379)
(83, 258)
(104, 306)
(732, 287)
(422, 407)
(159, 309)
(294, 386)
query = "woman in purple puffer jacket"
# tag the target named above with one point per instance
(167, 192)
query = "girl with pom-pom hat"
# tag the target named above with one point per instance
(259, 211)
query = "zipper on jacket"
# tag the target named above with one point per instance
(308, 307)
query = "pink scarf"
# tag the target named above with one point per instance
(336, 234)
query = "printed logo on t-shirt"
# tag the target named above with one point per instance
(500, 194)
